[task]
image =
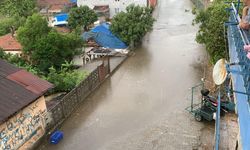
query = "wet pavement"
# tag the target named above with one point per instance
(142, 106)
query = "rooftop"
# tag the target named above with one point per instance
(44, 3)
(9, 43)
(56, 8)
(62, 29)
(18, 88)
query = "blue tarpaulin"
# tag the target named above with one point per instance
(62, 17)
(73, 1)
(104, 37)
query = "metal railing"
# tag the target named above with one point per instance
(237, 39)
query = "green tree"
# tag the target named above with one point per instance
(81, 16)
(65, 79)
(211, 29)
(54, 49)
(10, 24)
(20, 8)
(131, 26)
(35, 28)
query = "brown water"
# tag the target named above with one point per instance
(141, 107)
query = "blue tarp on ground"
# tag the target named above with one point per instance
(104, 37)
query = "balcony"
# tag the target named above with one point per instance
(237, 38)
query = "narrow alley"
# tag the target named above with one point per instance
(142, 106)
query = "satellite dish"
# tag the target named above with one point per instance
(220, 72)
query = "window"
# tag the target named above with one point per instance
(117, 10)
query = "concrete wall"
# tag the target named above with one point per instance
(25, 128)
(115, 6)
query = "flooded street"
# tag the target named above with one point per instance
(142, 106)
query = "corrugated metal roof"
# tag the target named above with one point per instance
(6, 68)
(18, 88)
(30, 82)
(13, 97)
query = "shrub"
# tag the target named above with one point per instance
(65, 79)
(211, 29)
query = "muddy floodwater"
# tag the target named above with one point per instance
(142, 106)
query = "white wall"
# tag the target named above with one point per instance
(14, 52)
(114, 5)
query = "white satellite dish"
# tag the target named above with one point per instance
(220, 72)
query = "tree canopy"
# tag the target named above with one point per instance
(20, 8)
(46, 47)
(131, 26)
(34, 28)
(81, 16)
(13, 14)
(10, 24)
(54, 49)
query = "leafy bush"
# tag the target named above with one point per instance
(65, 80)
(211, 29)
(19, 62)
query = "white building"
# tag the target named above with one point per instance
(115, 6)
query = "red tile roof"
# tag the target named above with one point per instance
(9, 43)
(43, 3)
(56, 7)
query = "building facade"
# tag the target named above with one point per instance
(23, 129)
(22, 105)
(115, 6)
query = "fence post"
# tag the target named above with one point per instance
(108, 65)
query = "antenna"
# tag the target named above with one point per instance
(220, 72)
(219, 77)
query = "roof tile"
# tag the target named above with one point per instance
(8, 42)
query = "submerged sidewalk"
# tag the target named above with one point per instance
(115, 62)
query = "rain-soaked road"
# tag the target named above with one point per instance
(141, 107)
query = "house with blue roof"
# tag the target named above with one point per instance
(102, 35)
(60, 19)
